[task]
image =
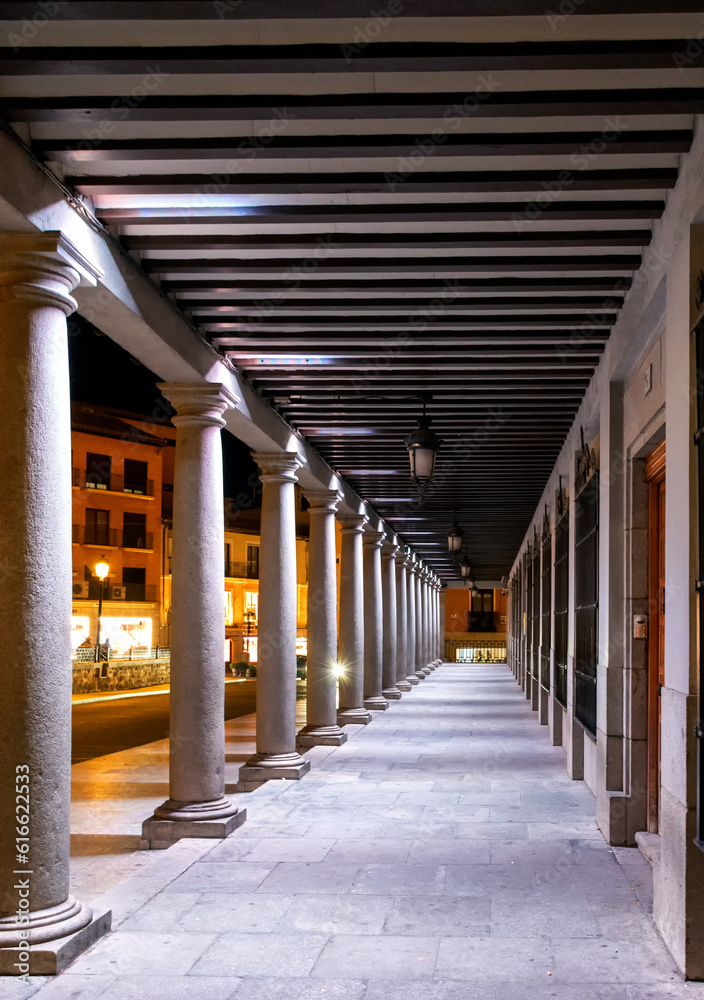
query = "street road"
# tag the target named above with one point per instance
(109, 725)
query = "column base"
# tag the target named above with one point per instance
(413, 680)
(421, 674)
(376, 704)
(353, 717)
(43, 952)
(404, 685)
(269, 767)
(320, 736)
(430, 666)
(393, 694)
(174, 821)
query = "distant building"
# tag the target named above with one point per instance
(122, 475)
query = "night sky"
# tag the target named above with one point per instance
(104, 374)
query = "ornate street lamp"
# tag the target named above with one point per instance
(465, 568)
(102, 569)
(455, 536)
(422, 445)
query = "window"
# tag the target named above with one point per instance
(545, 604)
(252, 562)
(98, 470)
(97, 526)
(134, 531)
(586, 556)
(134, 582)
(481, 614)
(135, 476)
(562, 568)
(534, 611)
(251, 609)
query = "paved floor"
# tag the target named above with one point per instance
(441, 854)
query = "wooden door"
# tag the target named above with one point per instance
(655, 477)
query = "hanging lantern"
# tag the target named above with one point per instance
(455, 536)
(423, 445)
(465, 568)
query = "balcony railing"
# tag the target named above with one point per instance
(113, 484)
(242, 570)
(475, 651)
(87, 654)
(86, 534)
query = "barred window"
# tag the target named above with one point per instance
(586, 556)
(562, 570)
(545, 605)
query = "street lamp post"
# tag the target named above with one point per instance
(101, 571)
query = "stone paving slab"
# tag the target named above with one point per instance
(441, 854)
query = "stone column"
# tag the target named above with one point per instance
(402, 682)
(196, 806)
(390, 689)
(436, 622)
(427, 618)
(276, 755)
(441, 623)
(38, 271)
(432, 662)
(411, 676)
(373, 621)
(421, 669)
(351, 653)
(321, 681)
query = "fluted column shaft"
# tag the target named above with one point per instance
(276, 755)
(38, 271)
(197, 702)
(373, 621)
(321, 672)
(402, 682)
(351, 652)
(390, 689)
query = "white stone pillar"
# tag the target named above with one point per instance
(441, 613)
(390, 689)
(419, 663)
(431, 622)
(38, 271)
(351, 653)
(276, 755)
(373, 621)
(436, 631)
(402, 682)
(421, 669)
(197, 806)
(427, 621)
(411, 676)
(321, 674)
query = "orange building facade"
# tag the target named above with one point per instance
(118, 500)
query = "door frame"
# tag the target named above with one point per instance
(654, 477)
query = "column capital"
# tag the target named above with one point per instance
(403, 559)
(390, 547)
(323, 500)
(198, 403)
(278, 465)
(372, 539)
(353, 524)
(44, 268)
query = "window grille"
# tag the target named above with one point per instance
(586, 554)
(562, 569)
(546, 603)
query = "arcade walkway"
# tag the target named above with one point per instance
(441, 854)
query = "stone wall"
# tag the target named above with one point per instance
(119, 675)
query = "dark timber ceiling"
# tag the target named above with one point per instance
(365, 208)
